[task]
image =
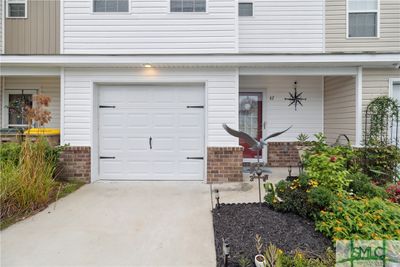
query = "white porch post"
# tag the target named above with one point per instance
(358, 104)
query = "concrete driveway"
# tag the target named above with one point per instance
(118, 224)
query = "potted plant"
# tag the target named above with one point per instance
(259, 259)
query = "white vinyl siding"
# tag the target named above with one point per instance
(1, 28)
(221, 103)
(277, 115)
(49, 86)
(336, 29)
(340, 107)
(285, 26)
(149, 28)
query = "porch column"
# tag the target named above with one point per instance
(359, 108)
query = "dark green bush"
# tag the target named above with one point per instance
(10, 152)
(361, 185)
(380, 163)
(321, 197)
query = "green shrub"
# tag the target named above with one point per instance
(380, 163)
(360, 219)
(299, 260)
(10, 152)
(300, 196)
(329, 166)
(321, 197)
(362, 186)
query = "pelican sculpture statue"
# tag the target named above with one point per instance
(258, 146)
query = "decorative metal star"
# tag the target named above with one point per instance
(295, 98)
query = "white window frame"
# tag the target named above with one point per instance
(111, 13)
(25, 2)
(392, 81)
(378, 20)
(246, 2)
(198, 13)
(6, 98)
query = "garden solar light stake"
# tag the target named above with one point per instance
(217, 198)
(226, 250)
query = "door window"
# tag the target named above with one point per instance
(250, 119)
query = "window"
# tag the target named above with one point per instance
(362, 18)
(111, 5)
(245, 9)
(16, 8)
(16, 102)
(188, 5)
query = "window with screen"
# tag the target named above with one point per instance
(16, 8)
(362, 18)
(245, 9)
(110, 6)
(188, 5)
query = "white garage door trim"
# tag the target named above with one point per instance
(96, 126)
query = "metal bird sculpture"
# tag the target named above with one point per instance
(255, 145)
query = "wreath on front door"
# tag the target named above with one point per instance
(247, 106)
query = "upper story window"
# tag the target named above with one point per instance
(362, 18)
(16, 8)
(245, 9)
(188, 5)
(111, 5)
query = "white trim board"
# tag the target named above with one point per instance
(231, 60)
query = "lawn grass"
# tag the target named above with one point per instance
(61, 189)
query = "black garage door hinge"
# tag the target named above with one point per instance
(107, 157)
(101, 106)
(194, 158)
(195, 106)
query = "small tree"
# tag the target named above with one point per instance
(38, 113)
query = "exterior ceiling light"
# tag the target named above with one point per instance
(147, 66)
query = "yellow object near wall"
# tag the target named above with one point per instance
(43, 131)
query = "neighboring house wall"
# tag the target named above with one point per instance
(277, 115)
(1, 27)
(39, 33)
(221, 101)
(337, 41)
(285, 26)
(376, 83)
(340, 107)
(49, 86)
(149, 28)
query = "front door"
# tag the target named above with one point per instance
(250, 119)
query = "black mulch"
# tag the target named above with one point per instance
(239, 223)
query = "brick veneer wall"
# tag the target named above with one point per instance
(224, 164)
(75, 163)
(282, 154)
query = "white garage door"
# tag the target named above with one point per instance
(151, 132)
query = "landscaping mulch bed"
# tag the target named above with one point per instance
(239, 223)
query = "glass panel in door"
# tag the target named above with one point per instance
(250, 119)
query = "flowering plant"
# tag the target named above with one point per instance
(394, 192)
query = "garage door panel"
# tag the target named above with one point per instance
(159, 112)
(138, 120)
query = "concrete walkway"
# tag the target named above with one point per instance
(118, 224)
(126, 224)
